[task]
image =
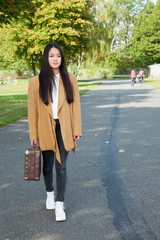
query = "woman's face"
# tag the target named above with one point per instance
(54, 58)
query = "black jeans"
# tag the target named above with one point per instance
(61, 174)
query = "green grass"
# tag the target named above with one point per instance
(13, 99)
(13, 117)
(86, 87)
(88, 84)
(12, 103)
(153, 83)
(10, 89)
(12, 108)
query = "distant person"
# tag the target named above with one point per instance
(133, 77)
(2, 83)
(141, 75)
(54, 117)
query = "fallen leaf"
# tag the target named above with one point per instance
(122, 150)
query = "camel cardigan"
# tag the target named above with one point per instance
(41, 122)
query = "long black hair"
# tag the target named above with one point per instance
(46, 76)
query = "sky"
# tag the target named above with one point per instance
(154, 1)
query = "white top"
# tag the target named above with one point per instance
(55, 97)
(141, 72)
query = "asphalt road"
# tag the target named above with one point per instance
(113, 189)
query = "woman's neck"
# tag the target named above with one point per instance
(56, 71)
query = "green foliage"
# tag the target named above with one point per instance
(103, 30)
(65, 22)
(145, 43)
(11, 9)
(111, 33)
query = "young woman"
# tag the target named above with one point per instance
(54, 117)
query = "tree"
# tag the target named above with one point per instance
(113, 26)
(11, 9)
(65, 22)
(145, 43)
(103, 29)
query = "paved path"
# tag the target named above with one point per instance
(111, 195)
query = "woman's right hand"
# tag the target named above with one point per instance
(34, 142)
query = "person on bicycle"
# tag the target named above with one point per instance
(141, 75)
(133, 77)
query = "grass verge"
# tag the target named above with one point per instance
(153, 83)
(14, 107)
(13, 117)
(84, 87)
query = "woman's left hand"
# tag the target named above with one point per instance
(76, 138)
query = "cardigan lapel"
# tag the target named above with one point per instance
(61, 94)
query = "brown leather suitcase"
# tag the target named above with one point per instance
(32, 168)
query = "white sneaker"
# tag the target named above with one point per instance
(59, 212)
(50, 203)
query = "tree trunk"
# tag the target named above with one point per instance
(112, 43)
(71, 65)
(80, 58)
(33, 66)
